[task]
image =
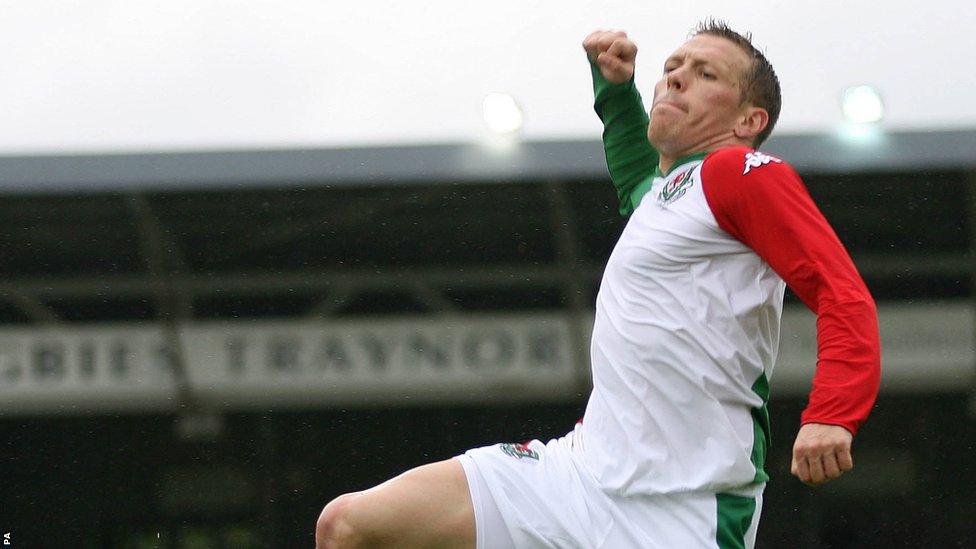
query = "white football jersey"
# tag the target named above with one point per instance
(684, 341)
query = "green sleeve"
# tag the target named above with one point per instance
(630, 157)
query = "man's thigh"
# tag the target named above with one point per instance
(429, 506)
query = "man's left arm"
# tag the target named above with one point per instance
(761, 201)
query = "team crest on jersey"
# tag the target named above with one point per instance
(519, 451)
(676, 188)
(758, 159)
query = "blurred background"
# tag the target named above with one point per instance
(256, 255)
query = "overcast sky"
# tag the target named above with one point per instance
(101, 75)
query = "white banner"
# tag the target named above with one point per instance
(67, 369)
(923, 348)
(427, 358)
(483, 358)
(291, 363)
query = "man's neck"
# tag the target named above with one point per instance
(666, 165)
(668, 158)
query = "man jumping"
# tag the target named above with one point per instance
(671, 449)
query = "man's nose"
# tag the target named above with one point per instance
(676, 79)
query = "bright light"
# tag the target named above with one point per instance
(862, 105)
(502, 114)
(861, 135)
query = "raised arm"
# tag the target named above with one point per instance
(630, 157)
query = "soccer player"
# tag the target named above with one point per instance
(671, 448)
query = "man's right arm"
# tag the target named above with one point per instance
(630, 157)
(763, 203)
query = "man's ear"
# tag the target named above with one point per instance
(752, 121)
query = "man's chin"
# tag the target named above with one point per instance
(658, 134)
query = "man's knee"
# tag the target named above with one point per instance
(335, 529)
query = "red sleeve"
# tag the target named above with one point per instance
(761, 201)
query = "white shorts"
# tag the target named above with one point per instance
(536, 495)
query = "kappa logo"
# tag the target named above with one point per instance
(757, 159)
(676, 188)
(519, 451)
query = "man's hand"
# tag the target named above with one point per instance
(821, 453)
(614, 53)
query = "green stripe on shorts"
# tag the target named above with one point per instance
(734, 518)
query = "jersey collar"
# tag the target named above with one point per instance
(677, 163)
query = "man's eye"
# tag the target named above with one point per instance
(708, 75)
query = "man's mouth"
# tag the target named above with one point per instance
(666, 103)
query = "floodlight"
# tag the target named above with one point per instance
(502, 114)
(862, 105)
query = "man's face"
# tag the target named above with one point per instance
(697, 101)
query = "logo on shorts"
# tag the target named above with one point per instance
(519, 451)
(757, 159)
(675, 188)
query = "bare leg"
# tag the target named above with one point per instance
(428, 507)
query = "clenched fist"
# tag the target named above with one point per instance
(821, 453)
(613, 52)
